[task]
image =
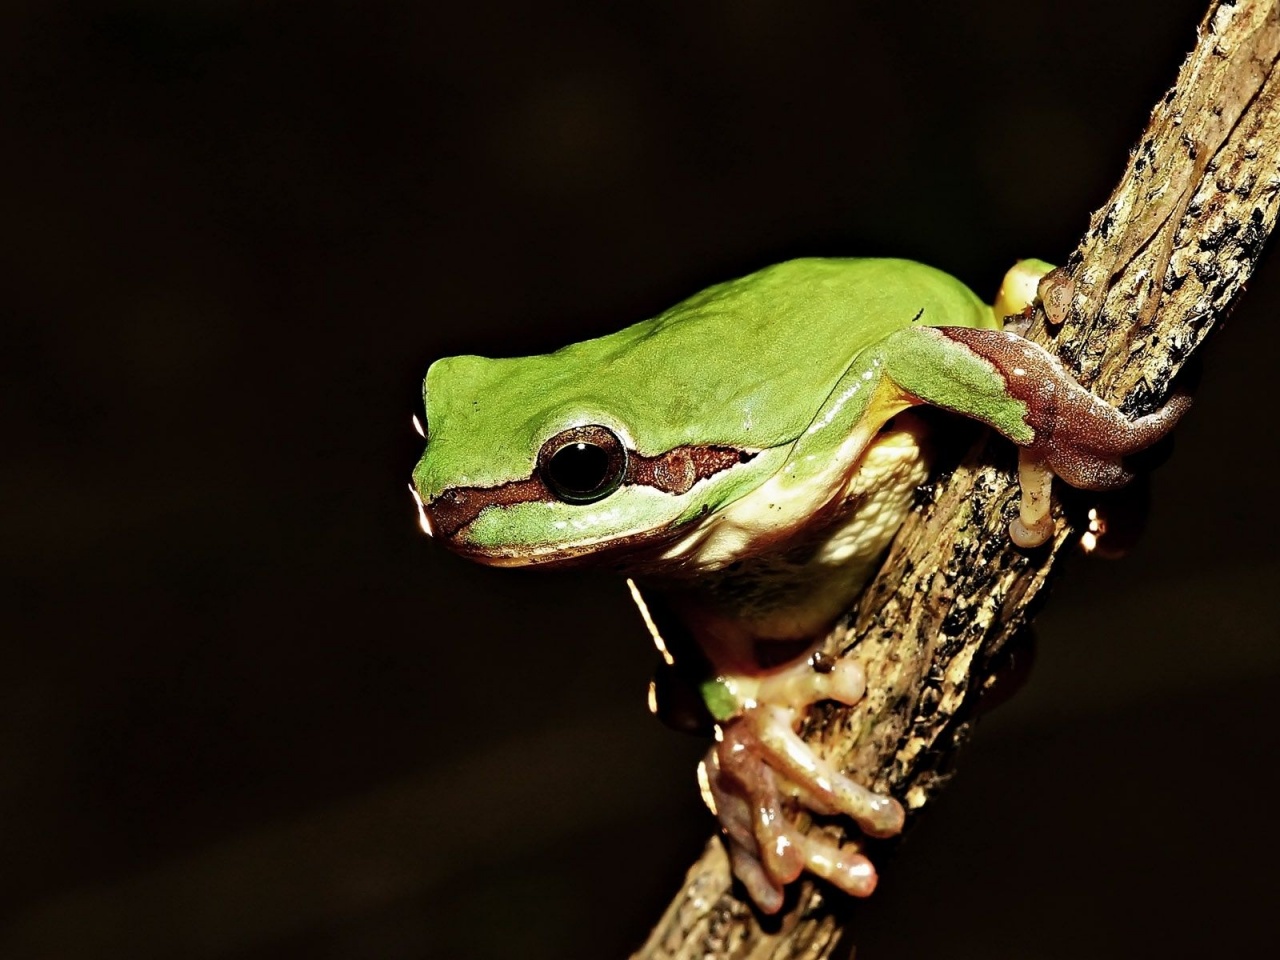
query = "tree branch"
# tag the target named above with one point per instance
(1162, 262)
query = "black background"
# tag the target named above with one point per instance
(248, 711)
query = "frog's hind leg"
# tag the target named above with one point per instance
(767, 849)
(759, 763)
(1024, 392)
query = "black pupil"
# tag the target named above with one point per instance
(580, 468)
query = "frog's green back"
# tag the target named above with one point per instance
(745, 363)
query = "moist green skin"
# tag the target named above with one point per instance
(747, 363)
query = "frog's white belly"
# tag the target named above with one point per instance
(798, 586)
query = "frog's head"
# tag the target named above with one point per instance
(629, 440)
(532, 460)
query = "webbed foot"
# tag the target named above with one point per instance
(760, 767)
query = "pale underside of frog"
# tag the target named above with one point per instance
(747, 456)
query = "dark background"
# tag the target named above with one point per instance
(248, 711)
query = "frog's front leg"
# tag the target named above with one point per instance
(759, 762)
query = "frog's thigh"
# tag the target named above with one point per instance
(937, 368)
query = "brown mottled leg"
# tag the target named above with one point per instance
(1075, 434)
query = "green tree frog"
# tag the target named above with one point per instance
(746, 457)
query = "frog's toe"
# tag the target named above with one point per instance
(749, 807)
(1147, 430)
(764, 892)
(772, 835)
(823, 788)
(1033, 525)
(842, 865)
(767, 850)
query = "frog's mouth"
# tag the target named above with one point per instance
(626, 552)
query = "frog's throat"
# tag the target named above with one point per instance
(674, 472)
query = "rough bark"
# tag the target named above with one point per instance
(1161, 264)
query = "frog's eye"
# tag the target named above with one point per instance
(582, 464)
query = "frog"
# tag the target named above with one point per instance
(744, 459)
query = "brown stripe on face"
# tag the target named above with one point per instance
(674, 472)
(458, 506)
